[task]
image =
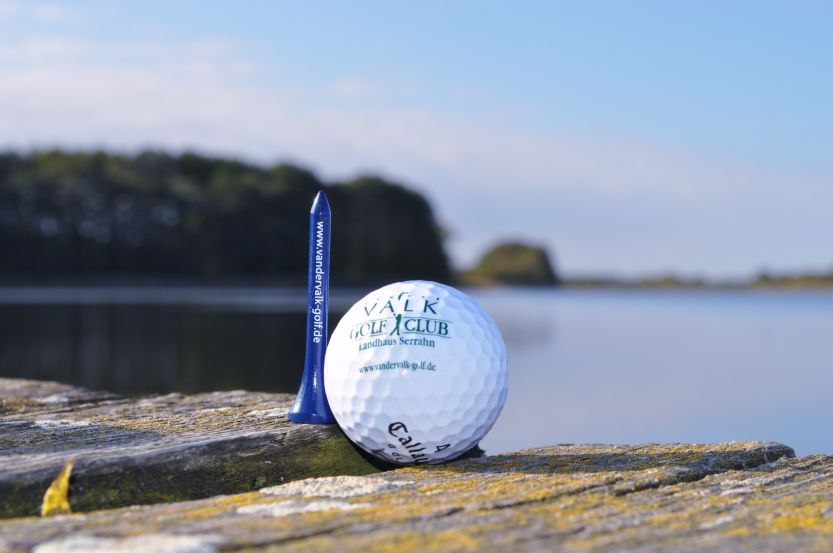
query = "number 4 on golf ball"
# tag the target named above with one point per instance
(416, 372)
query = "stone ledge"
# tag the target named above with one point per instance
(746, 496)
(724, 497)
(156, 448)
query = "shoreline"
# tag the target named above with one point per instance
(293, 284)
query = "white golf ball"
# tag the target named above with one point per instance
(416, 372)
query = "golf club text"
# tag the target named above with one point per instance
(406, 306)
(393, 326)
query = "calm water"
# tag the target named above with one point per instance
(585, 366)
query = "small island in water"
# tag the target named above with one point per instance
(512, 263)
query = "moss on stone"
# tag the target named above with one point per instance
(161, 448)
(528, 501)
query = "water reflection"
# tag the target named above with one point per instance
(133, 349)
(585, 366)
(654, 366)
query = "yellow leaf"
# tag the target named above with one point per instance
(56, 498)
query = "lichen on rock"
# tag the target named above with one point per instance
(732, 497)
(156, 448)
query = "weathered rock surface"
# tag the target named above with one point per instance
(728, 497)
(156, 448)
(575, 498)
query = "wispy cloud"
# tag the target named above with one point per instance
(487, 180)
(36, 11)
(353, 89)
(45, 49)
(214, 49)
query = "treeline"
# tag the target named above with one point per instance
(159, 215)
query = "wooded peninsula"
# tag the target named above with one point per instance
(101, 216)
(190, 216)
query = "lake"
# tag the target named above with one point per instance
(614, 366)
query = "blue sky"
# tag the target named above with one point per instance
(628, 137)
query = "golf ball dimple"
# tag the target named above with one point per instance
(416, 372)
